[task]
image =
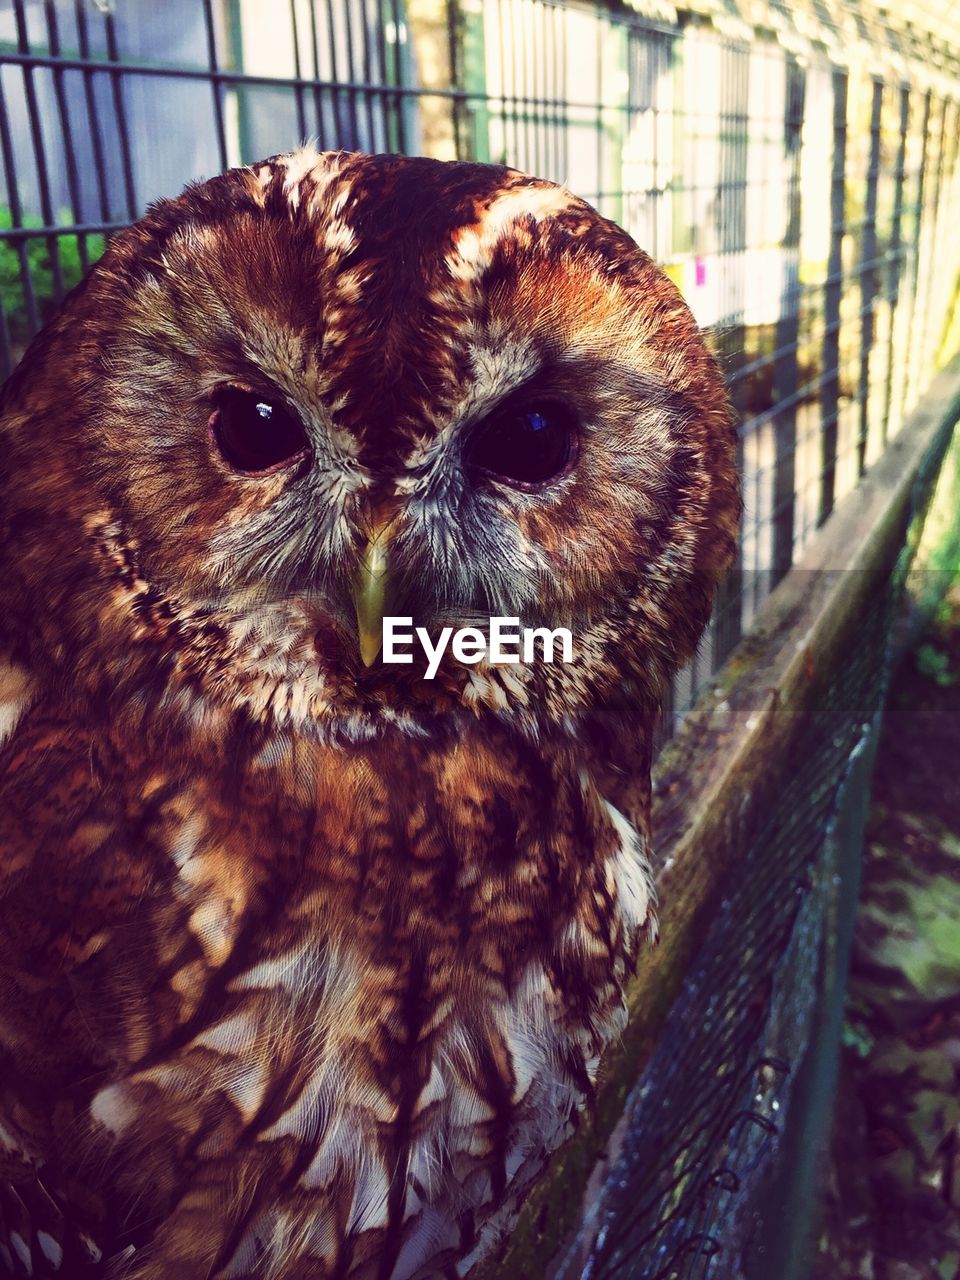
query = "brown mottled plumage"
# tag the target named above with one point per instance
(306, 962)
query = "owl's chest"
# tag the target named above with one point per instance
(393, 1043)
(350, 1009)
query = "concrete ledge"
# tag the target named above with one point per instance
(714, 779)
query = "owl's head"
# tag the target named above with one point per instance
(332, 386)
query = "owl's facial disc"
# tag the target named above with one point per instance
(332, 386)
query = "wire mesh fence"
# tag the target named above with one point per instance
(800, 185)
(704, 1126)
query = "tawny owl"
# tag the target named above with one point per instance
(306, 961)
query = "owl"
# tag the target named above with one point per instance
(307, 962)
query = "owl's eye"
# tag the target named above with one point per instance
(254, 434)
(526, 446)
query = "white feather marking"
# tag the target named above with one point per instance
(474, 247)
(539, 202)
(215, 925)
(234, 1036)
(22, 1250)
(310, 1110)
(246, 1088)
(113, 1108)
(371, 1196)
(320, 1240)
(50, 1248)
(425, 1164)
(339, 238)
(468, 1109)
(631, 874)
(17, 691)
(297, 165)
(528, 1056)
(433, 1091)
(288, 971)
(434, 1232)
(184, 844)
(498, 369)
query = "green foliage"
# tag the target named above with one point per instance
(40, 266)
(935, 665)
(947, 613)
(857, 1038)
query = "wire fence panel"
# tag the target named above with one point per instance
(704, 1125)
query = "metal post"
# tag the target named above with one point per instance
(833, 292)
(868, 274)
(787, 329)
(896, 252)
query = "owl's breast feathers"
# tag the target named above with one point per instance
(284, 1010)
(306, 965)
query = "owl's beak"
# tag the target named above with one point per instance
(370, 592)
